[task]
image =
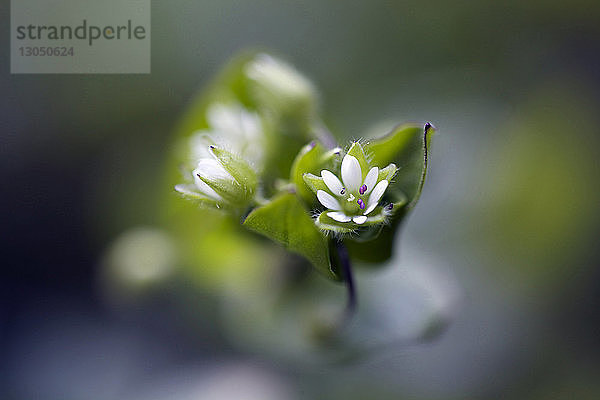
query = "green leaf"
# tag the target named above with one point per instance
(325, 222)
(286, 221)
(387, 173)
(314, 183)
(231, 191)
(309, 162)
(190, 192)
(238, 168)
(407, 146)
(375, 219)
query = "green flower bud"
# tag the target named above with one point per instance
(279, 86)
(223, 179)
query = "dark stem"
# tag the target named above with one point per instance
(344, 259)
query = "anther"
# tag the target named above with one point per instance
(343, 191)
(361, 204)
(389, 207)
(362, 189)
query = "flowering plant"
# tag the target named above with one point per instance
(263, 155)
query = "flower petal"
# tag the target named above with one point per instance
(328, 200)
(351, 173)
(212, 170)
(339, 216)
(360, 219)
(376, 194)
(332, 182)
(370, 208)
(371, 179)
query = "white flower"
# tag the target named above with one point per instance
(352, 198)
(234, 127)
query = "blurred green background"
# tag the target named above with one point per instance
(502, 244)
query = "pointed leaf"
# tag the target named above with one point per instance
(189, 191)
(314, 183)
(407, 147)
(238, 168)
(286, 221)
(307, 160)
(311, 159)
(387, 173)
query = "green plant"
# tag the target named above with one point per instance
(264, 156)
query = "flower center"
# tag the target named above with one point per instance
(353, 203)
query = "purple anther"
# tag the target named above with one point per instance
(362, 189)
(389, 207)
(343, 191)
(361, 204)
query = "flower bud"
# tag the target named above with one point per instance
(279, 87)
(223, 179)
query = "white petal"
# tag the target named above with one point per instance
(377, 193)
(212, 169)
(371, 179)
(370, 208)
(359, 220)
(204, 188)
(328, 200)
(332, 182)
(351, 173)
(339, 216)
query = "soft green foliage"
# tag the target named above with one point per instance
(255, 121)
(287, 222)
(407, 146)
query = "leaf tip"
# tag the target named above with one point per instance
(428, 126)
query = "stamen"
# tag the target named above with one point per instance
(343, 191)
(389, 207)
(361, 203)
(362, 189)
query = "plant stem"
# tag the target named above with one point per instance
(348, 277)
